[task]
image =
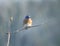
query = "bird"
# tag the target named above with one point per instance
(27, 22)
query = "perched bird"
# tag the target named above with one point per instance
(27, 22)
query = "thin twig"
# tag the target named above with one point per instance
(25, 28)
(9, 33)
(8, 38)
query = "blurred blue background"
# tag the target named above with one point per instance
(41, 11)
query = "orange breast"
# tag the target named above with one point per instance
(27, 21)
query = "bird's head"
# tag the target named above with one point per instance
(27, 17)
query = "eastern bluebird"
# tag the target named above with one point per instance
(27, 22)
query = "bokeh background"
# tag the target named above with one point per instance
(44, 12)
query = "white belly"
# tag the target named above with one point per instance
(27, 25)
